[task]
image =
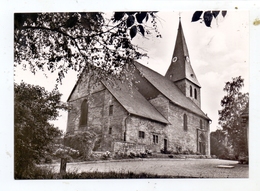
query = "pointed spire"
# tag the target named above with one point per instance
(180, 67)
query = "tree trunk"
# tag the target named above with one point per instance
(63, 164)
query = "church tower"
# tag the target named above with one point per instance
(180, 71)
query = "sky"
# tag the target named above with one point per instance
(217, 54)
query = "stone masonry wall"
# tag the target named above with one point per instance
(187, 140)
(113, 124)
(99, 100)
(150, 128)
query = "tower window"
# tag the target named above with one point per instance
(190, 91)
(111, 110)
(110, 131)
(84, 113)
(195, 93)
(185, 124)
(201, 127)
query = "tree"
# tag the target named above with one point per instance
(233, 104)
(58, 42)
(218, 144)
(34, 107)
(207, 16)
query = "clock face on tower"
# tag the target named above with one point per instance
(174, 59)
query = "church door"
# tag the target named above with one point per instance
(202, 144)
(202, 148)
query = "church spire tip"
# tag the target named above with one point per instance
(180, 17)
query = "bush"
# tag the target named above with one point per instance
(36, 172)
(243, 160)
(48, 159)
(120, 155)
(149, 152)
(166, 152)
(132, 155)
(106, 155)
(84, 142)
(143, 155)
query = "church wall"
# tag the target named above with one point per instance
(94, 96)
(115, 121)
(178, 137)
(99, 119)
(150, 128)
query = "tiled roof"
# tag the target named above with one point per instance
(134, 102)
(169, 90)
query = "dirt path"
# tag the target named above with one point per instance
(182, 167)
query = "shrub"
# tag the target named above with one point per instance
(120, 155)
(48, 159)
(166, 152)
(82, 141)
(106, 155)
(36, 172)
(143, 155)
(149, 152)
(243, 160)
(186, 152)
(132, 155)
(179, 149)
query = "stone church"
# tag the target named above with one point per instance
(159, 113)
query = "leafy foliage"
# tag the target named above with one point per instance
(84, 142)
(233, 104)
(207, 16)
(218, 144)
(58, 42)
(33, 108)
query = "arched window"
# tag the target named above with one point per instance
(190, 91)
(201, 127)
(84, 113)
(185, 124)
(195, 93)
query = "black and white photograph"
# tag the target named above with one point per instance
(133, 95)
